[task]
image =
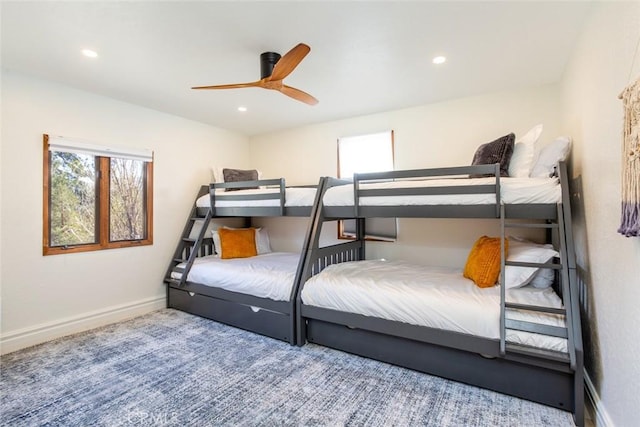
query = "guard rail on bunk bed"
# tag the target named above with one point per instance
(553, 378)
(261, 198)
(266, 198)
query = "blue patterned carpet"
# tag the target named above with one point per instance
(172, 369)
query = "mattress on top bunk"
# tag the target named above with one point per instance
(268, 275)
(294, 196)
(512, 191)
(436, 297)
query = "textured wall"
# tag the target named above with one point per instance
(601, 66)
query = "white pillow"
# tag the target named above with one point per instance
(550, 155)
(217, 247)
(263, 244)
(217, 174)
(543, 278)
(524, 152)
(523, 251)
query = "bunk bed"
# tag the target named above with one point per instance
(364, 307)
(254, 291)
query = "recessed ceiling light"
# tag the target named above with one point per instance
(242, 109)
(439, 60)
(90, 53)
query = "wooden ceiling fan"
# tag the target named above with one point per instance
(273, 69)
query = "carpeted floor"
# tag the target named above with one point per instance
(173, 369)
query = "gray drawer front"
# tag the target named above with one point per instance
(269, 323)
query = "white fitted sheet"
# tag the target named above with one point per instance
(436, 297)
(512, 191)
(269, 275)
(294, 196)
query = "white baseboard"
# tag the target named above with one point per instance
(602, 418)
(38, 334)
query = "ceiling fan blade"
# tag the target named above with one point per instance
(298, 95)
(289, 61)
(231, 86)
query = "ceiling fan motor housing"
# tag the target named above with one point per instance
(268, 60)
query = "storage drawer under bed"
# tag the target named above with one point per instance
(543, 385)
(265, 322)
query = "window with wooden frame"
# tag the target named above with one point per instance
(95, 197)
(360, 154)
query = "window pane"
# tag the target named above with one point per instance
(365, 153)
(73, 199)
(361, 154)
(127, 207)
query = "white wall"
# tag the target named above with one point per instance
(601, 66)
(53, 295)
(443, 134)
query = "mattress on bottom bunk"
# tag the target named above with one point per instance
(436, 297)
(268, 275)
(512, 191)
(294, 196)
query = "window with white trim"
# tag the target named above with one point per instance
(361, 154)
(95, 197)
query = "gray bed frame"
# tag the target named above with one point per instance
(551, 378)
(265, 316)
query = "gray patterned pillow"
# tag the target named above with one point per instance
(236, 175)
(498, 151)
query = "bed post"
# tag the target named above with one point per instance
(360, 236)
(303, 273)
(578, 410)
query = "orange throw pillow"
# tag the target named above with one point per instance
(240, 243)
(483, 262)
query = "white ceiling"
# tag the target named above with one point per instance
(366, 57)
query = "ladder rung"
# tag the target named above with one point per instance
(179, 260)
(539, 308)
(172, 281)
(530, 225)
(537, 328)
(534, 264)
(537, 352)
(188, 240)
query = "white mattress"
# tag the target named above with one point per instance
(512, 191)
(269, 275)
(430, 296)
(293, 197)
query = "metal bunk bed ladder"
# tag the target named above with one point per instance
(566, 332)
(188, 248)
